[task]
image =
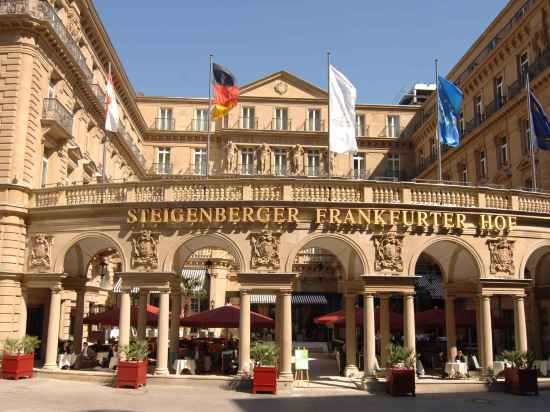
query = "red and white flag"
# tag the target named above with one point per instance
(111, 107)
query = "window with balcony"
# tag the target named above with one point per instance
(163, 160)
(463, 172)
(280, 162)
(360, 129)
(247, 161)
(502, 148)
(523, 67)
(525, 137)
(478, 109)
(392, 126)
(280, 119)
(313, 163)
(164, 119)
(499, 92)
(201, 162)
(51, 89)
(359, 171)
(248, 117)
(314, 120)
(482, 164)
(200, 123)
(393, 166)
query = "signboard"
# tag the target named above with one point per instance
(301, 359)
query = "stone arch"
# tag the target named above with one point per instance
(87, 245)
(461, 258)
(533, 260)
(191, 243)
(348, 252)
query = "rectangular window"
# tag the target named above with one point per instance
(433, 149)
(247, 161)
(224, 122)
(314, 120)
(360, 129)
(51, 90)
(503, 151)
(280, 162)
(421, 160)
(523, 67)
(280, 119)
(313, 163)
(201, 161)
(499, 92)
(478, 109)
(526, 137)
(464, 173)
(200, 123)
(44, 177)
(163, 161)
(482, 164)
(248, 118)
(393, 166)
(392, 126)
(165, 121)
(359, 166)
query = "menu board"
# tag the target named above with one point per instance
(301, 358)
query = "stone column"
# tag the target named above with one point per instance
(520, 324)
(79, 319)
(286, 337)
(450, 327)
(534, 323)
(218, 282)
(22, 328)
(163, 328)
(385, 332)
(278, 320)
(369, 336)
(142, 314)
(62, 319)
(244, 334)
(410, 332)
(487, 331)
(479, 331)
(53, 329)
(351, 335)
(124, 320)
(175, 322)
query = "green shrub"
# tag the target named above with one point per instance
(520, 360)
(135, 351)
(20, 346)
(265, 354)
(397, 355)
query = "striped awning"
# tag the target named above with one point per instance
(296, 299)
(197, 275)
(118, 284)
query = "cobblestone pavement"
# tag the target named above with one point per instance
(39, 394)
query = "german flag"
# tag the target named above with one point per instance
(226, 91)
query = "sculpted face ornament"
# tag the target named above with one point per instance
(265, 249)
(41, 251)
(144, 249)
(281, 88)
(388, 252)
(502, 256)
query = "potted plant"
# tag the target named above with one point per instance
(521, 377)
(400, 379)
(18, 358)
(132, 366)
(265, 372)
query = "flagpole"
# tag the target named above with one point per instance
(103, 166)
(531, 134)
(209, 115)
(438, 140)
(329, 157)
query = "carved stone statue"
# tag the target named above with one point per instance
(388, 252)
(502, 256)
(297, 157)
(41, 253)
(265, 249)
(73, 24)
(265, 159)
(144, 249)
(232, 153)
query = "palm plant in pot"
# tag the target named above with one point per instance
(132, 367)
(400, 379)
(265, 370)
(18, 358)
(521, 377)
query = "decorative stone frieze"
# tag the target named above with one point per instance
(41, 253)
(388, 248)
(502, 256)
(145, 249)
(265, 250)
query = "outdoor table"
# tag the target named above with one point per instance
(185, 364)
(456, 369)
(66, 359)
(499, 366)
(542, 366)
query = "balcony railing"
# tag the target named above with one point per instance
(161, 169)
(130, 145)
(282, 124)
(317, 125)
(164, 123)
(56, 112)
(199, 125)
(362, 131)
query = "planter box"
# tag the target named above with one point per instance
(265, 379)
(400, 382)
(17, 366)
(132, 374)
(521, 381)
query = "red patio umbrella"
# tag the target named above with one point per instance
(435, 318)
(227, 316)
(111, 317)
(338, 319)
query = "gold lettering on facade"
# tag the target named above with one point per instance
(279, 215)
(378, 218)
(177, 215)
(248, 213)
(292, 215)
(192, 215)
(234, 215)
(220, 215)
(334, 216)
(321, 216)
(132, 217)
(156, 216)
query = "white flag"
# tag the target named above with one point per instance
(342, 113)
(111, 107)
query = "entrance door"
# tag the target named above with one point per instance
(35, 325)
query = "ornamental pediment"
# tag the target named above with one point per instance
(282, 85)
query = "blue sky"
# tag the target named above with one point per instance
(382, 46)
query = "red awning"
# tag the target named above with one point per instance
(435, 318)
(225, 317)
(338, 319)
(111, 317)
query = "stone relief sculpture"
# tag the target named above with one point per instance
(265, 249)
(73, 24)
(502, 256)
(265, 159)
(297, 157)
(41, 253)
(144, 249)
(388, 248)
(232, 154)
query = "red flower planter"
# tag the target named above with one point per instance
(265, 379)
(400, 382)
(132, 374)
(17, 366)
(521, 381)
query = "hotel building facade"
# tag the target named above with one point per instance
(84, 212)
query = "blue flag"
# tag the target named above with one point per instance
(449, 103)
(539, 123)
